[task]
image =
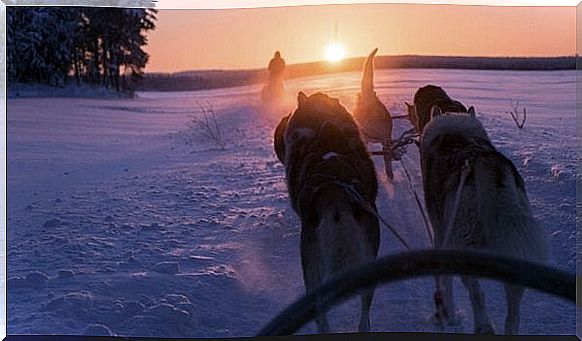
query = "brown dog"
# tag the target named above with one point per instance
(323, 154)
(372, 116)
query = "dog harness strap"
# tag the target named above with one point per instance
(353, 193)
(466, 169)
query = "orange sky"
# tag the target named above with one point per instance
(246, 38)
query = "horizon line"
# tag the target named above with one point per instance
(361, 57)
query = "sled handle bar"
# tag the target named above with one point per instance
(416, 264)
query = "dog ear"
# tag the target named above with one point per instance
(435, 111)
(279, 139)
(472, 111)
(301, 98)
(409, 107)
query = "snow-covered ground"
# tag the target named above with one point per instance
(123, 219)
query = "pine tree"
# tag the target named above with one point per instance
(95, 45)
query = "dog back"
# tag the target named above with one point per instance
(321, 141)
(494, 211)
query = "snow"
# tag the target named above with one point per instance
(123, 220)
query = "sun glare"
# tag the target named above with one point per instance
(335, 52)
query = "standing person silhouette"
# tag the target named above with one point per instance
(273, 90)
(276, 67)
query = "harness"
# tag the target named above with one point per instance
(465, 170)
(438, 295)
(319, 180)
(466, 167)
(355, 197)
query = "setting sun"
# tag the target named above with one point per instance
(335, 52)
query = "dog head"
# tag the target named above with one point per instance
(302, 126)
(431, 101)
(452, 136)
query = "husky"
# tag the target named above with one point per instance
(322, 151)
(426, 99)
(491, 212)
(372, 116)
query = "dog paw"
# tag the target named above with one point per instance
(456, 319)
(437, 320)
(484, 329)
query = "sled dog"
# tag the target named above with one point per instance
(322, 151)
(491, 212)
(425, 100)
(372, 116)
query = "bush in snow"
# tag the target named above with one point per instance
(207, 124)
(515, 115)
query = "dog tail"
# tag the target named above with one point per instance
(368, 75)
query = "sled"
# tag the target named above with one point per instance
(416, 264)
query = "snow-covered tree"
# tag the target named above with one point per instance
(92, 44)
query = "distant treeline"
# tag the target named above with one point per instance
(213, 79)
(60, 45)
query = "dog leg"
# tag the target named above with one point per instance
(449, 301)
(322, 323)
(310, 258)
(321, 318)
(513, 295)
(387, 150)
(482, 324)
(366, 301)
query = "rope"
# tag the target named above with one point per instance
(416, 264)
(351, 191)
(398, 146)
(438, 295)
(408, 137)
(429, 231)
(357, 198)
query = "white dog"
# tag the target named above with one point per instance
(483, 206)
